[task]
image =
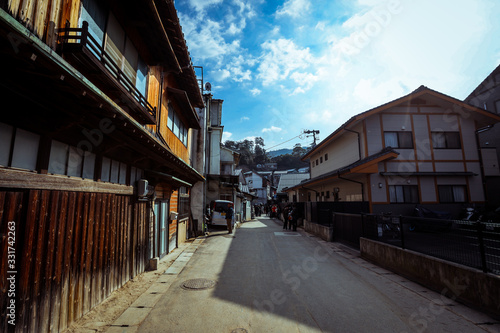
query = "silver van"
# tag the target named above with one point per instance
(218, 210)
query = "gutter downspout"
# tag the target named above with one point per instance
(359, 142)
(309, 189)
(359, 159)
(354, 181)
(481, 164)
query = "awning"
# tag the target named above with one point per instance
(439, 174)
(167, 177)
(182, 99)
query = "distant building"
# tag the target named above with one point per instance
(290, 180)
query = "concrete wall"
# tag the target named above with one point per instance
(325, 233)
(468, 285)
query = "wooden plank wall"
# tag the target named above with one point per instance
(42, 16)
(73, 249)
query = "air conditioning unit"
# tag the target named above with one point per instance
(174, 216)
(142, 188)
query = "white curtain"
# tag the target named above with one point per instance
(391, 139)
(459, 193)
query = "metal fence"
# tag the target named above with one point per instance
(323, 212)
(474, 244)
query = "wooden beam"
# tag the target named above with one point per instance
(10, 178)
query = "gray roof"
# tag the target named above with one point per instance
(291, 179)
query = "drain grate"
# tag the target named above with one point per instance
(198, 284)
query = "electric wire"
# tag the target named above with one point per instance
(279, 144)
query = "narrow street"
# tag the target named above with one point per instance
(266, 279)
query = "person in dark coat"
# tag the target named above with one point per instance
(294, 216)
(286, 220)
(229, 219)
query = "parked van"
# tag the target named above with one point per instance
(218, 210)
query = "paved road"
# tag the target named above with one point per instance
(271, 280)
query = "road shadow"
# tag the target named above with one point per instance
(267, 270)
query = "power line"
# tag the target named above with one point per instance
(279, 144)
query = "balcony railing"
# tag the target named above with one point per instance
(92, 59)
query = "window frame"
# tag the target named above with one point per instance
(403, 192)
(446, 139)
(451, 187)
(177, 126)
(398, 133)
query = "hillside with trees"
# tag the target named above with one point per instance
(253, 153)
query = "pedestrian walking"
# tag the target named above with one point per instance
(229, 219)
(274, 211)
(293, 218)
(287, 218)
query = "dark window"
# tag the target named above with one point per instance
(71, 161)
(116, 172)
(446, 140)
(452, 193)
(497, 106)
(321, 159)
(19, 148)
(184, 206)
(175, 124)
(326, 157)
(403, 194)
(398, 139)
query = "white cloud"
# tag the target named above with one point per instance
(244, 119)
(294, 8)
(226, 136)
(255, 91)
(374, 92)
(281, 57)
(305, 80)
(221, 74)
(320, 26)
(235, 70)
(206, 40)
(272, 129)
(200, 5)
(298, 90)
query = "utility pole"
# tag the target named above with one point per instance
(313, 134)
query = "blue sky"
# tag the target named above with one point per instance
(285, 66)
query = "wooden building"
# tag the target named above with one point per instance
(97, 95)
(421, 148)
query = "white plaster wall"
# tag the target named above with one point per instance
(373, 134)
(428, 190)
(341, 152)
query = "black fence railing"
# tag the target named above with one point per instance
(82, 38)
(323, 212)
(473, 244)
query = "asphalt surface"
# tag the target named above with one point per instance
(266, 279)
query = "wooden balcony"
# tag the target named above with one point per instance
(83, 51)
